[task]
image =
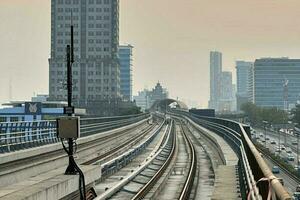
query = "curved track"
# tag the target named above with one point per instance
(176, 155)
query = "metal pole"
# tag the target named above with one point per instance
(71, 168)
(69, 77)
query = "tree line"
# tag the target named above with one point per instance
(256, 115)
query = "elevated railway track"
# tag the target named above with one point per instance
(143, 160)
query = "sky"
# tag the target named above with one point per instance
(171, 39)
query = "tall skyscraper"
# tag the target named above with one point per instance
(96, 73)
(215, 78)
(244, 76)
(270, 77)
(125, 58)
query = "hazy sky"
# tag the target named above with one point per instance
(172, 40)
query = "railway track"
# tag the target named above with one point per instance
(184, 172)
(106, 144)
(175, 154)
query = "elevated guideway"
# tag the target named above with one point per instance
(252, 166)
(153, 154)
(37, 172)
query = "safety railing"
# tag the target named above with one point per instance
(22, 135)
(252, 166)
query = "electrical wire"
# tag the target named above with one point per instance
(82, 190)
(64, 146)
(81, 180)
(75, 146)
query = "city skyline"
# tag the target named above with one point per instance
(157, 52)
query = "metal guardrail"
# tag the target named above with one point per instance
(234, 140)
(258, 168)
(252, 165)
(22, 135)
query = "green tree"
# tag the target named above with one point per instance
(258, 114)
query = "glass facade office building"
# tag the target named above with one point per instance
(270, 75)
(125, 59)
(244, 80)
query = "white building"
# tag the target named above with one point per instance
(96, 73)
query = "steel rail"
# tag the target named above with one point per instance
(188, 185)
(148, 186)
(112, 152)
(163, 143)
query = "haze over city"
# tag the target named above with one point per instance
(150, 99)
(171, 39)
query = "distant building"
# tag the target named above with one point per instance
(251, 85)
(146, 98)
(125, 58)
(234, 104)
(215, 79)
(142, 100)
(96, 72)
(226, 100)
(270, 75)
(40, 98)
(39, 108)
(244, 74)
(157, 93)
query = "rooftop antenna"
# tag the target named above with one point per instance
(72, 39)
(72, 168)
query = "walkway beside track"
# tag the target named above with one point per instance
(51, 185)
(226, 185)
(230, 156)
